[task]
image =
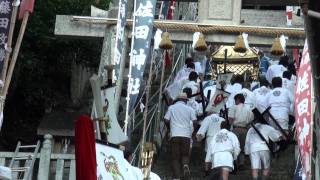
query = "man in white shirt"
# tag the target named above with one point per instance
(240, 116)
(260, 95)
(209, 127)
(222, 151)
(258, 149)
(234, 89)
(287, 83)
(179, 118)
(197, 107)
(192, 83)
(276, 70)
(249, 97)
(281, 101)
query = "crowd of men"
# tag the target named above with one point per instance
(254, 115)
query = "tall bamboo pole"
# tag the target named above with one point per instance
(126, 120)
(157, 129)
(145, 112)
(15, 53)
(8, 49)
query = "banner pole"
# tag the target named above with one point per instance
(15, 53)
(126, 120)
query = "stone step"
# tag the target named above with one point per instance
(282, 167)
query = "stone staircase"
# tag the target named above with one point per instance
(282, 167)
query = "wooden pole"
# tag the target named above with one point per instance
(157, 129)
(145, 112)
(15, 53)
(126, 120)
(9, 42)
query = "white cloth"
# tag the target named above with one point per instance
(223, 149)
(198, 67)
(260, 160)
(5, 173)
(180, 116)
(233, 90)
(197, 107)
(183, 74)
(275, 70)
(210, 126)
(281, 102)
(249, 97)
(174, 89)
(254, 142)
(241, 114)
(135, 173)
(192, 85)
(289, 85)
(260, 96)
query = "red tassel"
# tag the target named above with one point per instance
(167, 60)
(171, 9)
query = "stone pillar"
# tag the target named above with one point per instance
(224, 12)
(45, 156)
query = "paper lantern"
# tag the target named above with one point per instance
(240, 46)
(165, 42)
(201, 44)
(276, 48)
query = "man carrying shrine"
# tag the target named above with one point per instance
(276, 70)
(222, 151)
(281, 102)
(240, 116)
(179, 120)
(192, 83)
(258, 150)
(260, 95)
(209, 127)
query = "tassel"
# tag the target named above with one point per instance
(167, 60)
(276, 48)
(240, 46)
(165, 42)
(201, 44)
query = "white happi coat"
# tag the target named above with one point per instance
(281, 102)
(260, 96)
(275, 70)
(181, 78)
(197, 107)
(192, 85)
(223, 149)
(241, 114)
(254, 142)
(180, 117)
(210, 126)
(249, 97)
(233, 90)
(289, 85)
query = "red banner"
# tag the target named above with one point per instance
(303, 112)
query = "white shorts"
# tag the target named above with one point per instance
(223, 159)
(260, 160)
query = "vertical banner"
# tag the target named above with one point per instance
(140, 53)
(303, 112)
(121, 23)
(5, 16)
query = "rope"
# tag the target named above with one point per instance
(204, 28)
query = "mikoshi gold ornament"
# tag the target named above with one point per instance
(240, 46)
(276, 48)
(165, 42)
(201, 44)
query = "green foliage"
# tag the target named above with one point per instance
(42, 73)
